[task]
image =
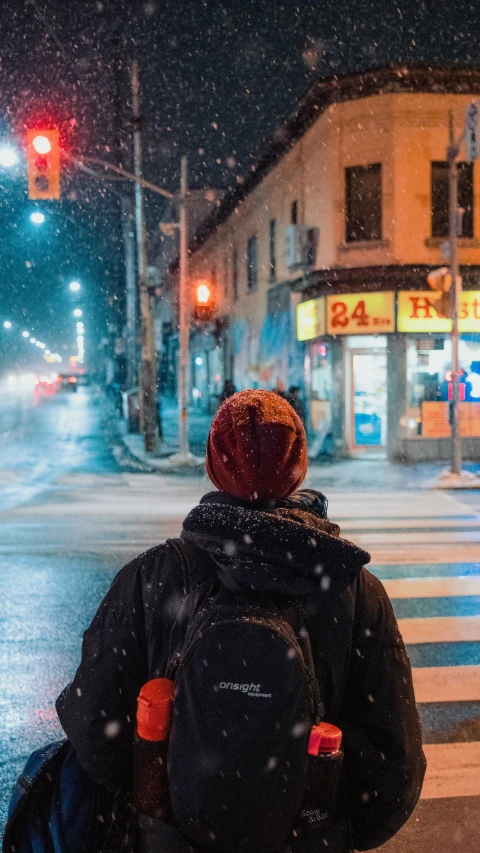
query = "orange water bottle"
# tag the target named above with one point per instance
(154, 717)
(323, 775)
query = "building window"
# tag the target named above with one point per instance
(235, 275)
(294, 213)
(272, 253)
(252, 263)
(364, 203)
(440, 198)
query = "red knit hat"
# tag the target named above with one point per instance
(257, 449)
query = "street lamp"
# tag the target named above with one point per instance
(8, 156)
(77, 312)
(74, 286)
(33, 340)
(7, 324)
(37, 218)
(25, 334)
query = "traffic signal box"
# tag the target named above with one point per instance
(440, 281)
(43, 160)
(204, 308)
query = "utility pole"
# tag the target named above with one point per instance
(456, 291)
(148, 373)
(183, 312)
(131, 292)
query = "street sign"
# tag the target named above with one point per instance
(471, 132)
(361, 313)
(311, 319)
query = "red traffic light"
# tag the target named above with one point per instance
(43, 160)
(42, 144)
(203, 293)
(204, 301)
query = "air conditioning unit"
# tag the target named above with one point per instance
(300, 246)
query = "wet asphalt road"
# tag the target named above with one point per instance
(73, 510)
(70, 516)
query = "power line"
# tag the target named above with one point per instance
(38, 11)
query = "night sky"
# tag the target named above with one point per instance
(216, 78)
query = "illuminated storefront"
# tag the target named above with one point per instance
(378, 372)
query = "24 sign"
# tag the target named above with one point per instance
(361, 314)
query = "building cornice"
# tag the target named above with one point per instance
(435, 79)
(375, 278)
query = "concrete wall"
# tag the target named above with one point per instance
(436, 450)
(396, 394)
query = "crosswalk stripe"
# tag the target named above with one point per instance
(433, 587)
(415, 537)
(444, 654)
(398, 525)
(440, 629)
(447, 683)
(452, 770)
(405, 553)
(394, 571)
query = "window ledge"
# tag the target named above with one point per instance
(463, 242)
(362, 245)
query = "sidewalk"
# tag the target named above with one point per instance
(199, 425)
(360, 474)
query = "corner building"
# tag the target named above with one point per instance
(319, 258)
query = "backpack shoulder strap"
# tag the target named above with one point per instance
(297, 618)
(196, 563)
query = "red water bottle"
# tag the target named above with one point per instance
(154, 717)
(323, 775)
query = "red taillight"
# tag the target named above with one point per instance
(72, 378)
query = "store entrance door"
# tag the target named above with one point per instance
(368, 407)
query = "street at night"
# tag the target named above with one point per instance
(71, 516)
(239, 427)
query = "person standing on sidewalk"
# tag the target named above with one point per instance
(228, 390)
(259, 537)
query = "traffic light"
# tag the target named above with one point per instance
(204, 301)
(440, 281)
(43, 160)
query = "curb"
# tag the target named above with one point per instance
(161, 464)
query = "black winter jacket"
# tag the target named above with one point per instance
(360, 658)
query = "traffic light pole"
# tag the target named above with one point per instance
(131, 292)
(456, 290)
(183, 312)
(148, 372)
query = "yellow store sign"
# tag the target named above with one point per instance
(361, 314)
(311, 319)
(417, 312)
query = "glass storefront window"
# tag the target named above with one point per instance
(318, 374)
(429, 388)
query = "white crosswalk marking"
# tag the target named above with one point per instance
(440, 629)
(447, 683)
(453, 770)
(433, 587)
(417, 543)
